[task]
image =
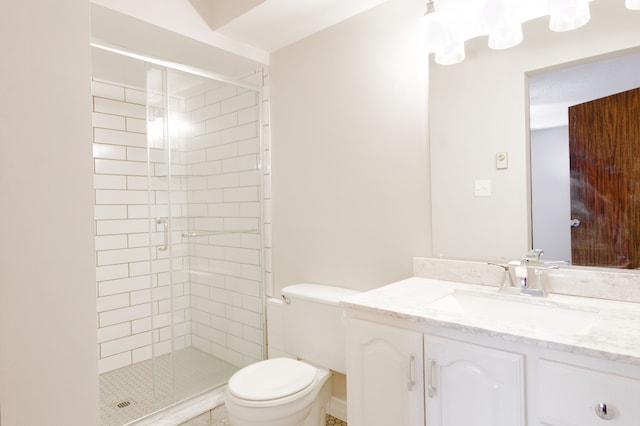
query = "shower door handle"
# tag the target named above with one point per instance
(165, 229)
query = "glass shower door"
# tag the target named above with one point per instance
(178, 241)
(160, 145)
(205, 216)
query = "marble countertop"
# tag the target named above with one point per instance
(610, 329)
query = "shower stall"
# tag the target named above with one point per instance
(179, 247)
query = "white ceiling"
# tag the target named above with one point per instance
(271, 25)
(277, 23)
(274, 24)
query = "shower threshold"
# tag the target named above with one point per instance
(183, 412)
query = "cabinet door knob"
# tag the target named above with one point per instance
(603, 411)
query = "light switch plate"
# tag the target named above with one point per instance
(482, 188)
(502, 160)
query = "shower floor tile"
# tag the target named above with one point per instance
(128, 393)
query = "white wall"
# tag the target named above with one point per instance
(479, 108)
(48, 368)
(349, 151)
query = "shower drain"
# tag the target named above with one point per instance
(125, 403)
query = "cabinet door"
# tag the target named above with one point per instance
(575, 396)
(472, 385)
(385, 383)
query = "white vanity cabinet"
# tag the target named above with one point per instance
(385, 384)
(470, 384)
(429, 376)
(490, 359)
(395, 374)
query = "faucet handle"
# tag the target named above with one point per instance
(507, 280)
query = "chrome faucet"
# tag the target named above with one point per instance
(523, 272)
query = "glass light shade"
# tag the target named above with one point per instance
(632, 4)
(500, 24)
(506, 37)
(443, 39)
(451, 54)
(566, 15)
(438, 31)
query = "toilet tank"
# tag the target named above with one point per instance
(313, 327)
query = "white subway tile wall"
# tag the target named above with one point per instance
(216, 300)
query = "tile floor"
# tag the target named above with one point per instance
(128, 393)
(332, 421)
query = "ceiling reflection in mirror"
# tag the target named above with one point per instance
(597, 233)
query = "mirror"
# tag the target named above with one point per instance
(479, 110)
(551, 93)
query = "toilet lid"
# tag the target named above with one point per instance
(271, 379)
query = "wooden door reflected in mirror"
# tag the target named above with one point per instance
(604, 146)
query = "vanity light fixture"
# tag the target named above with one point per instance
(632, 4)
(450, 22)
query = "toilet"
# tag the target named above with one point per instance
(295, 392)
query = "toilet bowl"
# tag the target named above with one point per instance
(286, 391)
(278, 392)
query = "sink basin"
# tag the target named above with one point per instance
(520, 311)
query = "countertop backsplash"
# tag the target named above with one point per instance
(610, 284)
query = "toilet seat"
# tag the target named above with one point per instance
(271, 379)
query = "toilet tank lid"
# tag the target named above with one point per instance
(318, 292)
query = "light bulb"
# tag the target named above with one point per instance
(632, 4)
(437, 31)
(566, 15)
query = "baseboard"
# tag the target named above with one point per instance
(338, 408)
